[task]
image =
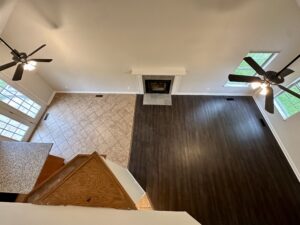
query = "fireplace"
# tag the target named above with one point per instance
(158, 84)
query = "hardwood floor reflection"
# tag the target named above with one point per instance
(214, 159)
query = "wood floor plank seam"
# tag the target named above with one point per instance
(214, 159)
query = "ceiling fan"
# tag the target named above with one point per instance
(269, 79)
(23, 61)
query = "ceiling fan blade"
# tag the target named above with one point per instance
(285, 72)
(15, 53)
(289, 91)
(287, 66)
(255, 66)
(7, 45)
(18, 73)
(240, 78)
(8, 65)
(35, 51)
(269, 103)
(41, 60)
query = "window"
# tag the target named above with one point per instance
(12, 129)
(17, 100)
(262, 58)
(287, 104)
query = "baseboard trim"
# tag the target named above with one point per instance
(137, 92)
(211, 93)
(283, 148)
(51, 98)
(95, 92)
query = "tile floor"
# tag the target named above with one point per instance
(83, 123)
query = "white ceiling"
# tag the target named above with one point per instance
(94, 44)
(6, 8)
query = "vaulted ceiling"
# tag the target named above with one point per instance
(95, 44)
(6, 9)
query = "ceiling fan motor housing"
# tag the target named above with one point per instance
(22, 57)
(273, 78)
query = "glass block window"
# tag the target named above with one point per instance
(287, 104)
(18, 100)
(262, 59)
(12, 129)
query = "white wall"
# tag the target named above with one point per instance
(32, 84)
(94, 45)
(28, 214)
(286, 133)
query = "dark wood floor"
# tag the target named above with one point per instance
(214, 159)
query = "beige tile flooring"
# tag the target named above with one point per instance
(82, 123)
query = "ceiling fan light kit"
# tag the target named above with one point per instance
(30, 65)
(21, 59)
(264, 91)
(262, 86)
(269, 79)
(256, 85)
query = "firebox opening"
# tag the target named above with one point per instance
(158, 86)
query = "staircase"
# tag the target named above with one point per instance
(52, 164)
(90, 180)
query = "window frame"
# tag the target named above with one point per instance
(17, 115)
(11, 94)
(18, 87)
(18, 128)
(20, 120)
(281, 112)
